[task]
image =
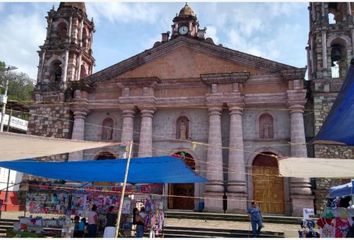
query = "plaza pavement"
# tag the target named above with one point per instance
(290, 230)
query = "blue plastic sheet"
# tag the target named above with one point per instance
(341, 190)
(339, 123)
(142, 170)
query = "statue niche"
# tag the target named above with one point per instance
(107, 129)
(182, 128)
(266, 126)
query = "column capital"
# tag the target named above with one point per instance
(297, 108)
(128, 112)
(236, 109)
(80, 114)
(147, 112)
(214, 110)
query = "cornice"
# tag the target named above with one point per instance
(225, 78)
(293, 74)
(138, 81)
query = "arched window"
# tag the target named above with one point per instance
(331, 18)
(182, 128)
(338, 58)
(107, 129)
(266, 126)
(55, 71)
(62, 31)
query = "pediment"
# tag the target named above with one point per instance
(187, 58)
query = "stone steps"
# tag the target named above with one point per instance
(230, 217)
(190, 232)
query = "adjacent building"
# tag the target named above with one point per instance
(330, 49)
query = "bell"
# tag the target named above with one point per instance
(336, 53)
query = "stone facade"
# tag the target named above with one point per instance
(330, 48)
(235, 107)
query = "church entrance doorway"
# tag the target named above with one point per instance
(268, 187)
(181, 195)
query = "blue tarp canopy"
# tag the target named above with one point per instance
(341, 190)
(142, 170)
(338, 126)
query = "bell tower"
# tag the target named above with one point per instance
(331, 39)
(186, 24)
(66, 54)
(329, 51)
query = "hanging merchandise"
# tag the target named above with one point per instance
(58, 199)
(155, 218)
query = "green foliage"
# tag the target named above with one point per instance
(20, 86)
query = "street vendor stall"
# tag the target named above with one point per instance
(149, 170)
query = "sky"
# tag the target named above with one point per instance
(277, 31)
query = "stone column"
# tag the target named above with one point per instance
(128, 125)
(145, 141)
(65, 72)
(301, 195)
(70, 29)
(237, 190)
(214, 189)
(78, 70)
(324, 51)
(78, 132)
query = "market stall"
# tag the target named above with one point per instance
(153, 171)
(337, 217)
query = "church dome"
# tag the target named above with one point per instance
(77, 5)
(186, 11)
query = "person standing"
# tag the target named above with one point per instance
(256, 219)
(139, 221)
(110, 229)
(92, 220)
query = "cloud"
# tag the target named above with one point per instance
(24, 33)
(2, 6)
(276, 31)
(212, 33)
(117, 12)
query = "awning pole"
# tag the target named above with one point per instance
(124, 185)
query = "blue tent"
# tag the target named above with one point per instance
(142, 170)
(341, 190)
(338, 126)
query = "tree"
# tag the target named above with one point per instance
(20, 84)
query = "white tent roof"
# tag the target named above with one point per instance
(19, 146)
(316, 167)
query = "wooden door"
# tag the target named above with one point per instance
(268, 189)
(181, 196)
(184, 193)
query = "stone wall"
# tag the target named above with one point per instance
(325, 93)
(51, 121)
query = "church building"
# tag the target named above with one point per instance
(228, 114)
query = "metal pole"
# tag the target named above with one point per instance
(124, 185)
(9, 68)
(7, 188)
(4, 103)
(8, 122)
